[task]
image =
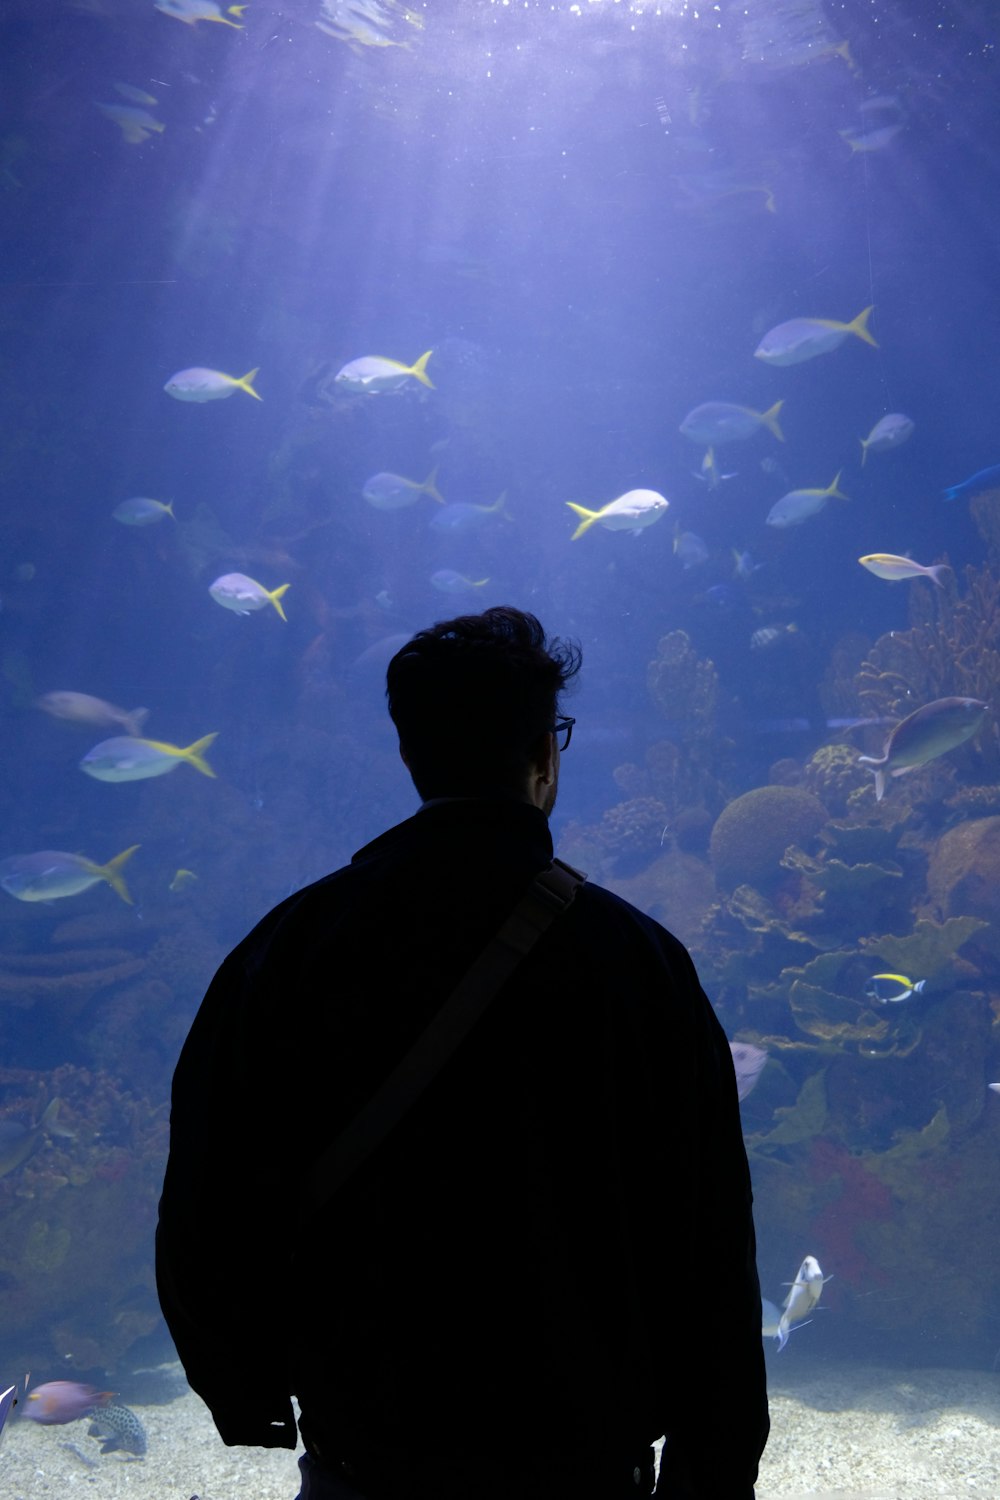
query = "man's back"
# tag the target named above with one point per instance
(535, 1249)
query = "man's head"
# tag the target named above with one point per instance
(475, 701)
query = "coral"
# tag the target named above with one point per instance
(753, 832)
(964, 873)
(951, 650)
(76, 1274)
(832, 773)
(974, 801)
(797, 1122)
(684, 686)
(985, 511)
(677, 889)
(634, 831)
(846, 895)
(928, 949)
(72, 975)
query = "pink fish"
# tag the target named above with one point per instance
(63, 1401)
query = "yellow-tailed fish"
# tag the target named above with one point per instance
(126, 759)
(718, 422)
(633, 511)
(182, 879)
(199, 384)
(142, 511)
(193, 11)
(372, 373)
(803, 338)
(393, 492)
(52, 874)
(135, 124)
(798, 505)
(450, 582)
(243, 595)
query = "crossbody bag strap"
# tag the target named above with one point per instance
(550, 893)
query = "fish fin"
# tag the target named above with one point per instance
(245, 382)
(952, 493)
(589, 517)
(169, 508)
(879, 785)
(859, 326)
(237, 10)
(936, 571)
(770, 420)
(419, 370)
(132, 723)
(112, 873)
(195, 754)
(275, 596)
(833, 491)
(500, 506)
(864, 450)
(429, 486)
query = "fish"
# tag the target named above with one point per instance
(61, 1401)
(748, 1062)
(925, 734)
(450, 582)
(18, 1142)
(891, 989)
(464, 516)
(710, 472)
(800, 339)
(770, 1319)
(193, 11)
(141, 511)
(135, 124)
(803, 1296)
(985, 479)
(771, 635)
(744, 566)
(182, 879)
(798, 505)
(243, 595)
(199, 384)
(372, 373)
(718, 422)
(52, 874)
(81, 708)
(393, 492)
(690, 548)
(995, 1087)
(890, 431)
(887, 565)
(632, 511)
(134, 95)
(875, 139)
(135, 760)
(120, 1428)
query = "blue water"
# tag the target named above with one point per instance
(571, 211)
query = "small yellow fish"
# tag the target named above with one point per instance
(199, 384)
(182, 879)
(894, 569)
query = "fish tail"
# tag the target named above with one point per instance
(500, 506)
(859, 326)
(169, 507)
(953, 493)
(132, 723)
(275, 596)
(245, 382)
(589, 517)
(237, 10)
(864, 450)
(429, 486)
(936, 571)
(195, 754)
(834, 491)
(770, 420)
(112, 873)
(223, 20)
(419, 370)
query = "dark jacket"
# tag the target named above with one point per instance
(554, 1246)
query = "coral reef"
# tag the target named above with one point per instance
(952, 649)
(832, 773)
(69, 978)
(76, 1275)
(964, 873)
(753, 832)
(633, 831)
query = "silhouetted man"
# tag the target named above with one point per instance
(547, 1260)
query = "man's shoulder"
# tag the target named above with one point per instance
(613, 913)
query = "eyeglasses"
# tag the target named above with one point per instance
(563, 727)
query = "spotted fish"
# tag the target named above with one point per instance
(119, 1429)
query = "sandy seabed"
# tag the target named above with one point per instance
(839, 1432)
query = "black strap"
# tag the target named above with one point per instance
(550, 893)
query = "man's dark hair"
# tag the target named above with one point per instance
(471, 698)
